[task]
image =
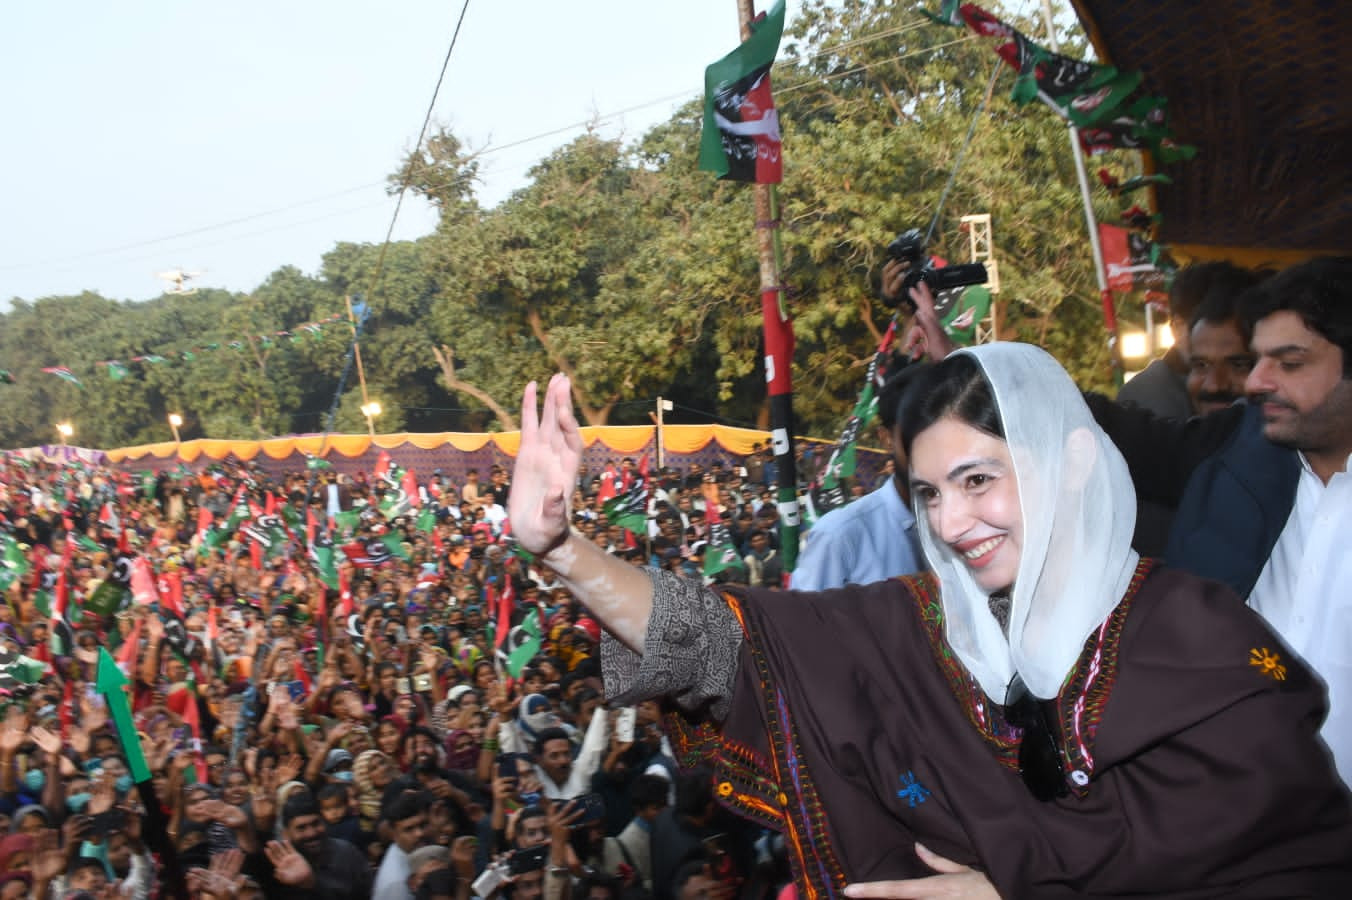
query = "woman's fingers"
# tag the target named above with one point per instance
(937, 862)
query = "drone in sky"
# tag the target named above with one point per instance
(179, 279)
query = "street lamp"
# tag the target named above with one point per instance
(371, 410)
(175, 423)
(65, 429)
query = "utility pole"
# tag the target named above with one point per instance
(778, 348)
(1076, 151)
(663, 406)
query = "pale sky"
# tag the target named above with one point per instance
(239, 137)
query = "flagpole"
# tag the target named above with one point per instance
(778, 349)
(1091, 222)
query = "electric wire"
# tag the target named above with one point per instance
(486, 151)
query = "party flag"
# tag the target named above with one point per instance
(64, 374)
(740, 137)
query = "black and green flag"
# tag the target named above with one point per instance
(740, 137)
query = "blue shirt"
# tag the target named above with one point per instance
(869, 540)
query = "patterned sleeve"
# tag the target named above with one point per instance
(690, 651)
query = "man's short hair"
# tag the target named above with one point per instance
(1192, 284)
(547, 735)
(405, 805)
(85, 862)
(300, 803)
(441, 883)
(901, 372)
(1319, 291)
(649, 790)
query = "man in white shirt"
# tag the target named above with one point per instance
(406, 818)
(1263, 491)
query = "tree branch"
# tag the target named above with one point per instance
(446, 359)
(592, 415)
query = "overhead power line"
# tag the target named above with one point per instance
(487, 151)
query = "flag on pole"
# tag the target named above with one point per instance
(740, 139)
(721, 554)
(64, 374)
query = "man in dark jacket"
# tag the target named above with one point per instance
(1263, 491)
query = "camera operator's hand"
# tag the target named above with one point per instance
(926, 336)
(894, 272)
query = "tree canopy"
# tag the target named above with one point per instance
(619, 263)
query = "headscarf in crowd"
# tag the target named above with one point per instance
(368, 795)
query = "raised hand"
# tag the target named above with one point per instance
(462, 856)
(48, 742)
(288, 768)
(93, 715)
(230, 816)
(14, 732)
(289, 867)
(102, 795)
(48, 859)
(546, 467)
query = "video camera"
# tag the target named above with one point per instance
(909, 248)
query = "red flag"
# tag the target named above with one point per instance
(61, 601)
(67, 695)
(608, 487)
(126, 654)
(213, 628)
(410, 486)
(382, 464)
(256, 555)
(504, 604)
(310, 527)
(321, 616)
(123, 545)
(204, 519)
(301, 675)
(108, 515)
(143, 589)
(193, 719)
(344, 594)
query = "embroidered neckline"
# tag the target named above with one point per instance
(1080, 703)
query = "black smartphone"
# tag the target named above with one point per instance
(593, 808)
(109, 822)
(507, 765)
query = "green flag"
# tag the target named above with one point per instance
(107, 598)
(394, 542)
(13, 562)
(740, 137)
(427, 520)
(6, 377)
(630, 509)
(325, 562)
(528, 649)
(116, 370)
(348, 520)
(721, 554)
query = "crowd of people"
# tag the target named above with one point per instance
(373, 740)
(392, 687)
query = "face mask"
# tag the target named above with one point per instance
(342, 776)
(531, 798)
(123, 784)
(35, 780)
(77, 802)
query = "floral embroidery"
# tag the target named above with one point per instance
(1268, 663)
(912, 791)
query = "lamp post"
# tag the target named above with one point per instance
(175, 423)
(370, 410)
(65, 430)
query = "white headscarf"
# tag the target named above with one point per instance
(1079, 509)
